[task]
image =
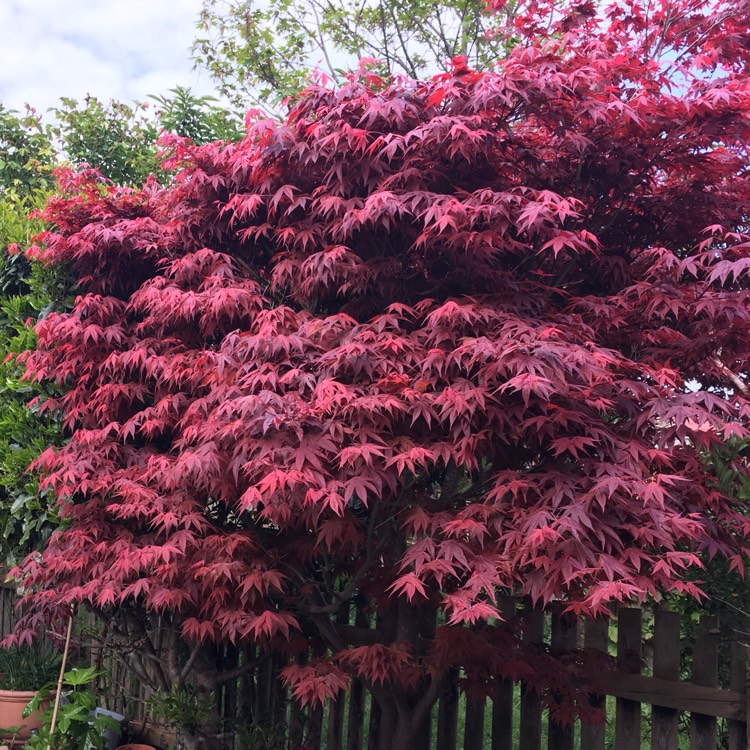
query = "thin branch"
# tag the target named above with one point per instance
(148, 649)
(449, 48)
(427, 701)
(736, 380)
(222, 677)
(383, 28)
(132, 664)
(321, 42)
(412, 69)
(185, 671)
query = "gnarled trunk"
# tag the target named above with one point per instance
(405, 720)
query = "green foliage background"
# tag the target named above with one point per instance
(262, 52)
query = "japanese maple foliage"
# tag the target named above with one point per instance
(422, 344)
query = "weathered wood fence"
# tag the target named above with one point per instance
(647, 704)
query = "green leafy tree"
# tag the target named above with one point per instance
(120, 140)
(27, 160)
(26, 512)
(117, 139)
(728, 593)
(197, 117)
(265, 51)
(26, 154)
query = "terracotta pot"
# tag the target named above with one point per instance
(133, 746)
(12, 704)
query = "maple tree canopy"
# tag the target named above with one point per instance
(421, 344)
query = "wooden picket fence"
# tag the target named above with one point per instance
(697, 713)
(647, 704)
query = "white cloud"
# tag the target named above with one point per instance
(110, 49)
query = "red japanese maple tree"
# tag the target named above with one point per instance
(422, 344)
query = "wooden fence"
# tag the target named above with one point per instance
(647, 704)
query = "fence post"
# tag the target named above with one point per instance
(447, 724)
(629, 644)
(231, 659)
(474, 725)
(246, 708)
(315, 726)
(596, 637)
(530, 728)
(564, 639)
(738, 682)
(386, 622)
(705, 672)
(336, 708)
(426, 624)
(502, 704)
(297, 715)
(356, 728)
(474, 722)
(665, 721)
(336, 723)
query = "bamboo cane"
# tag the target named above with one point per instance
(60, 682)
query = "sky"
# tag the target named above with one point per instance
(110, 49)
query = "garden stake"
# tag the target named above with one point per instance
(60, 681)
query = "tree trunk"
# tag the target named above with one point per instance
(402, 720)
(406, 717)
(399, 730)
(404, 736)
(387, 724)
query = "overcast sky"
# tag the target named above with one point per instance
(111, 49)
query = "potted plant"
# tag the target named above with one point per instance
(79, 724)
(23, 671)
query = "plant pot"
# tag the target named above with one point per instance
(133, 746)
(111, 736)
(12, 704)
